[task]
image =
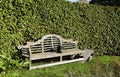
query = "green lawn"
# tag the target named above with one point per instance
(99, 66)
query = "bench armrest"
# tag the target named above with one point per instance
(20, 46)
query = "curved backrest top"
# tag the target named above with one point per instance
(51, 35)
(58, 36)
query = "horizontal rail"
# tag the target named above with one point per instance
(57, 63)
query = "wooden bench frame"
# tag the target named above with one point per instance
(70, 48)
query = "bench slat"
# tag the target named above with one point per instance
(54, 54)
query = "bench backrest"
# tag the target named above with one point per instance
(49, 43)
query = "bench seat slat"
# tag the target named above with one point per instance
(53, 54)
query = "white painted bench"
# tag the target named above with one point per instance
(52, 46)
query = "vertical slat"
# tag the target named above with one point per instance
(30, 59)
(42, 45)
(61, 42)
(52, 41)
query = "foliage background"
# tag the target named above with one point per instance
(95, 27)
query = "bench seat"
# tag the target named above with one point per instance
(54, 54)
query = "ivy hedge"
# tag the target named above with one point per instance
(95, 27)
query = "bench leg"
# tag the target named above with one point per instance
(30, 62)
(60, 58)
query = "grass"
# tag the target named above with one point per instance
(99, 66)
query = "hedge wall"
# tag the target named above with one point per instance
(95, 27)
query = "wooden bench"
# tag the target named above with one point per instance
(52, 46)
